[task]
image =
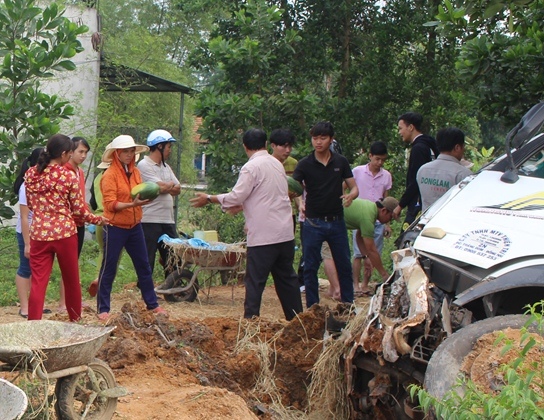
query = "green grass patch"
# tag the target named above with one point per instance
(88, 270)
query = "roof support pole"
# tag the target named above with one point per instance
(178, 164)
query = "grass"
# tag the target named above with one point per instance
(88, 270)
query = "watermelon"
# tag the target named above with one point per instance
(148, 190)
(294, 186)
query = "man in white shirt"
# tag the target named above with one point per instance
(261, 192)
(158, 215)
(438, 176)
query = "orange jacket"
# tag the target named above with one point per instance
(115, 186)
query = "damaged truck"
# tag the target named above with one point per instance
(468, 266)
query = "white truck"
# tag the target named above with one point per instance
(469, 266)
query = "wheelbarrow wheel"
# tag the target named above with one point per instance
(74, 394)
(181, 279)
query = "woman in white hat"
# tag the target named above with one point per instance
(125, 229)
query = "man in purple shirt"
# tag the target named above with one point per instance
(374, 183)
(261, 192)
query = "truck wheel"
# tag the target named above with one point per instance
(73, 394)
(446, 361)
(181, 279)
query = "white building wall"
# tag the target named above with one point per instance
(80, 87)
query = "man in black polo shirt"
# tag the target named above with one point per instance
(322, 174)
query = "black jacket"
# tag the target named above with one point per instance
(424, 150)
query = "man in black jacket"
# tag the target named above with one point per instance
(424, 150)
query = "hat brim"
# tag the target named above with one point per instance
(103, 165)
(107, 156)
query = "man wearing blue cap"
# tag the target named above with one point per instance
(158, 216)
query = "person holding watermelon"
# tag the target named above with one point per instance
(158, 216)
(125, 230)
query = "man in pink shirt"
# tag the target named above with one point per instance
(261, 193)
(373, 182)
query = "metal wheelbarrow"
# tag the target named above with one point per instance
(13, 401)
(85, 386)
(182, 284)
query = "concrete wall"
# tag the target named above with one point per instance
(80, 87)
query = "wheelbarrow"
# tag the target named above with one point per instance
(217, 257)
(13, 401)
(85, 386)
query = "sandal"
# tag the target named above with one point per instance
(160, 311)
(45, 311)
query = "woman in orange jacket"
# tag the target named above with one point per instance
(125, 230)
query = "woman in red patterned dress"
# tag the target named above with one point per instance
(54, 196)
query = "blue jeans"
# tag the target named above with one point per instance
(315, 232)
(115, 239)
(24, 265)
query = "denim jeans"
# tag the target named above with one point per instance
(315, 232)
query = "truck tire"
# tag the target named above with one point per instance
(445, 363)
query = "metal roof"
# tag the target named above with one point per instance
(117, 77)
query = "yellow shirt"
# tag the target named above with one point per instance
(289, 165)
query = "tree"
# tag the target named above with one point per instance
(359, 64)
(501, 52)
(249, 58)
(35, 42)
(154, 37)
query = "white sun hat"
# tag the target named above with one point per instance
(122, 142)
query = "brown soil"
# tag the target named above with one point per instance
(204, 361)
(484, 365)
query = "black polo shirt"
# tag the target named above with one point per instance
(323, 184)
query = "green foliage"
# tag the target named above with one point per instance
(251, 85)
(35, 43)
(358, 64)
(153, 37)
(521, 395)
(501, 52)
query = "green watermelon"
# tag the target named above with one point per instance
(295, 187)
(148, 190)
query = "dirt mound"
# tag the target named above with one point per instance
(205, 361)
(219, 352)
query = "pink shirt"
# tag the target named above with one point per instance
(372, 187)
(262, 191)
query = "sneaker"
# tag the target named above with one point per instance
(160, 311)
(93, 288)
(103, 316)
